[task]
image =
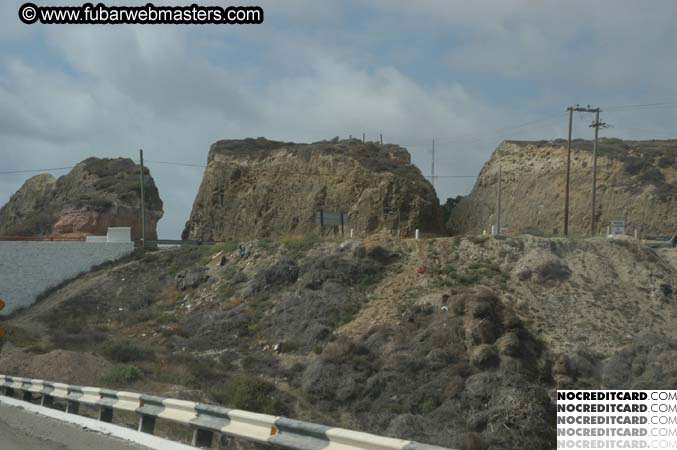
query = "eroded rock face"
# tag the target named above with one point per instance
(636, 182)
(95, 195)
(262, 188)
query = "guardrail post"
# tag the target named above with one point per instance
(72, 407)
(47, 401)
(202, 438)
(147, 424)
(27, 396)
(106, 414)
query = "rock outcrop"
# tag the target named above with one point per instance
(262, 188)
(94, 195)
(636, 182)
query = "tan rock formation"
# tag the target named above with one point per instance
(262, 188)
(636, 182)
(94, 195)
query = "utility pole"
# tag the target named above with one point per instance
(596, 125)
(381, 137)
(566, 192)
(498, 204)
(432, 168)
(571, 110)
(143, 211)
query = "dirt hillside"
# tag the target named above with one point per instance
(457, 341)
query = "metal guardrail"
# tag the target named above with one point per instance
(207, 420)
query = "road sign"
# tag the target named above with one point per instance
(331, 218)
(617, 227)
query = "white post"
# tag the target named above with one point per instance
(636, 234)
(493, 230)
(416, 234)
(351, 233)
(484, 232)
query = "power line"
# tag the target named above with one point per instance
(500, 131)
(481, 135)
(658, 105)
(653, 132)
(173, 163)
(11, 172)
(300, 173)
(183, 164)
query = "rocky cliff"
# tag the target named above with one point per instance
(94, 195)
(636, 182)
(262, 188)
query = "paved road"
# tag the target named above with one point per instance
(23, 430)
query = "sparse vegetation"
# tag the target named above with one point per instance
(297, 248)
(121, 375)
(298, 329)
(450, 205)
(251, 394)
(125, 352)
(472, 274)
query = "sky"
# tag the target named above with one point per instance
(466, 74)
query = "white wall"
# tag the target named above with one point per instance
(29, 268)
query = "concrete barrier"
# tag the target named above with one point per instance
(207, 420)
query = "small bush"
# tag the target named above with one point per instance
(478, 240)
(201, 372)
(226, 247)
(226, 291)
(665, 161)
(553, 270)
(346, 351)
(297, 248)
(125, 352)
(252, 394)
(474, 274)
(347, 312)
(369, 279)
(533, 231)
(121, 375)
(633, 166)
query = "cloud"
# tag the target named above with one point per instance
(12, 28)
(606, 44)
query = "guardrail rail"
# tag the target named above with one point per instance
(206, 420)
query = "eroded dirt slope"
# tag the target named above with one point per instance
(457, 342)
